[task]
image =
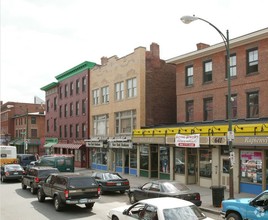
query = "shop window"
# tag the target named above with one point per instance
(251, 166)
(98, 156)
(144, 157)
(164, 160)
(180, 160)
(225, 166)
(133, 158)
(205, 163)
(118, 158)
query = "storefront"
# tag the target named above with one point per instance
(49, 142)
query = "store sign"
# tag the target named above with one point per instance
(187, 140)
(218, 140)
(251, 141)
(148, 140)
(127, 145)
(94, 144)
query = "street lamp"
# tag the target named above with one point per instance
(230, 135)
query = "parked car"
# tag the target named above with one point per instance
(163, 188)
(25, 159)
(69, 189)
(111, 182)
(34, 175)
(246, 208)
(11, 172)
(158, 209)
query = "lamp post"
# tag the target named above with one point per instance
(230, 135)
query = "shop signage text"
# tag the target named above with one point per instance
(187, 140)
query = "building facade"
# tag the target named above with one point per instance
(67, 113)
(202, 90)
(22, 125)
(128, 93)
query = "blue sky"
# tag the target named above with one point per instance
(43, 38)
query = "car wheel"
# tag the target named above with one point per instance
(57, 203)
(40, 195)
(33, 190)
(89, 205)
(233, 216)
(115, 218)
(23, 186)
(122, 191)
(132, 199)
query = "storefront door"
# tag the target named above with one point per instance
(192, 166)
(224, 171)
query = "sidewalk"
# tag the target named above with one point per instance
(205, 193)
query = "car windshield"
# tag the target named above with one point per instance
(174, 187)
(183, 213)
(111, 176)
(14, 167)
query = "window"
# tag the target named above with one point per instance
(55, 124)
(77, 108)
(60, 113)
(65, 131)
(84, 84)
(190, 111)
(65, 110)
(77, 130)
(180, 160)
(207, 75)
(60, 132)
(66, 90)
(84, 130)
(252, 60)
(47, 105)
(131, 87)
(189, 75)
(96, 95)
(47, 125)
(133, 158)
(33, 120)
(205, 163)
(253, 105)
(101, 125)
(208, 109)
(55, 103)
(233, 106)
(164, 159)
(144, 157)
(119, 91)
(71, 88)
(71, 130)
(71, 109)
(232, 65)
(33, 133)
(83, 106)
(125, 122)
(77, 86)
(60, 92)
(105, 94)
(251, 166)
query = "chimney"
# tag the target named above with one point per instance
(104, 60)
(201, 46)
(155, 50)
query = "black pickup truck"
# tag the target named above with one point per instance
(69, 189)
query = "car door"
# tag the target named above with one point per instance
(47, 185)
(154, 191)
(258, 209)
(142, 192)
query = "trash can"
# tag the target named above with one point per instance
(217, 195)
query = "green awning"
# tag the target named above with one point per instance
(49, 144)
(34, 142)
(12, 142)
(19, 142)
(50, 141)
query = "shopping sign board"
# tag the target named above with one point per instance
(187, 140)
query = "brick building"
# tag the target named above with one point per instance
(127, 93)
(201, 90)
(67, 113)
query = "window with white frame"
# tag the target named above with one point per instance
(101, 125)
(252, 60)
(207, 73)
(189, 76)
(119, 91)
(96, 95)
(105, 94)
(132, 87)
(233, 65)
(125, 122)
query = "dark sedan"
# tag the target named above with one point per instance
(163, 188)
(11, 172)
(111, 182)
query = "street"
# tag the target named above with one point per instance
(21, 204)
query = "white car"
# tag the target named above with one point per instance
(165, 208)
